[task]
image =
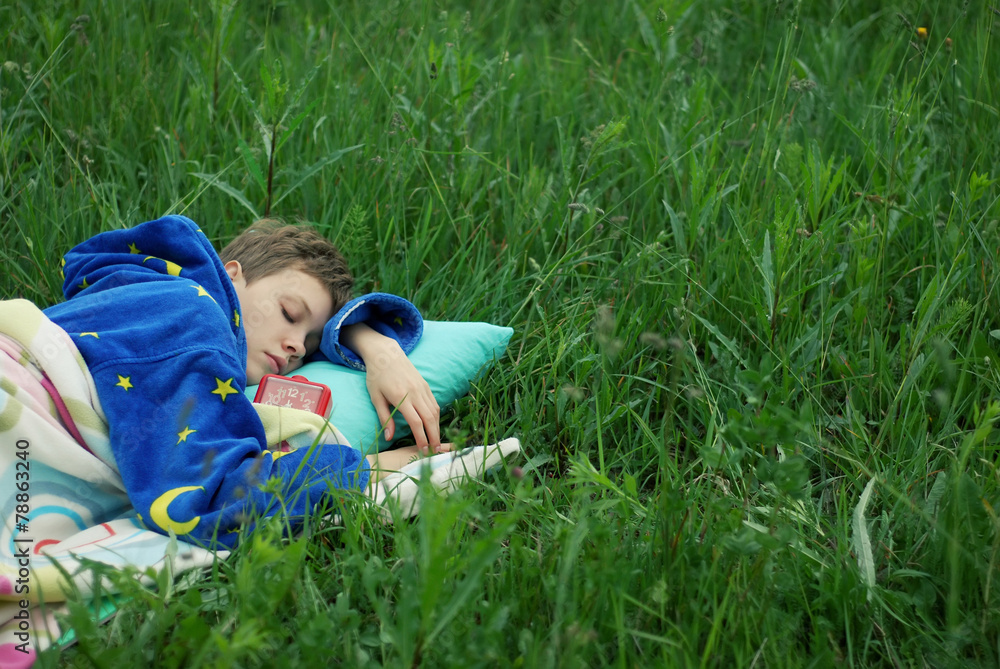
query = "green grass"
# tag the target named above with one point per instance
(749, 252)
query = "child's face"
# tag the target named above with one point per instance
(283, 315)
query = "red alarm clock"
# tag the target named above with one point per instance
(296, 392)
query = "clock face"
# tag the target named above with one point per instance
(284, 392)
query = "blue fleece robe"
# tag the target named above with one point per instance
(158, 322)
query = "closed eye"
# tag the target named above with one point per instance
(288, 318)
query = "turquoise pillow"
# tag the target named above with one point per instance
(449, 355)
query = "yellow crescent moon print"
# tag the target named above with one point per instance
(158, 512)
(173, 269)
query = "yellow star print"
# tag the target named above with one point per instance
(277, 454)
(173, 269)
(125, 382)
(132, 248)
(202, 292)
(224, 389)
(236, 317)
(90, 334)
(83, 285)
(183, 434)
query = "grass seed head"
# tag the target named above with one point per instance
(654, 340)
(591, 137)
(604, 325)
(801, 85)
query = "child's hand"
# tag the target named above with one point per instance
(392, 380)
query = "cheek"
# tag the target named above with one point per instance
(261, 331)
(257, 316)
(252, 334)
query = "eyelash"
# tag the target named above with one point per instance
(287, 317)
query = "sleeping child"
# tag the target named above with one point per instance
(123, 418)
(171, 334)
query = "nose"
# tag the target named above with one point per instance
(294, 345)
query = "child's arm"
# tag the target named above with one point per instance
(192, 452)
(393, 380)
(374, 333)
(394, 460)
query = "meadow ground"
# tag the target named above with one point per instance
(749, 251)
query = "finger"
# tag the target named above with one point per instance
(432, 426)
(432, 422)
(430, 417)
(433, 431)
(384, 417)
(416, 424)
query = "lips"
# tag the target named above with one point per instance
(276, 363)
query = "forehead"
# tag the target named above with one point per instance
(294, 284)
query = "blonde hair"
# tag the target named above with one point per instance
(269, 246)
